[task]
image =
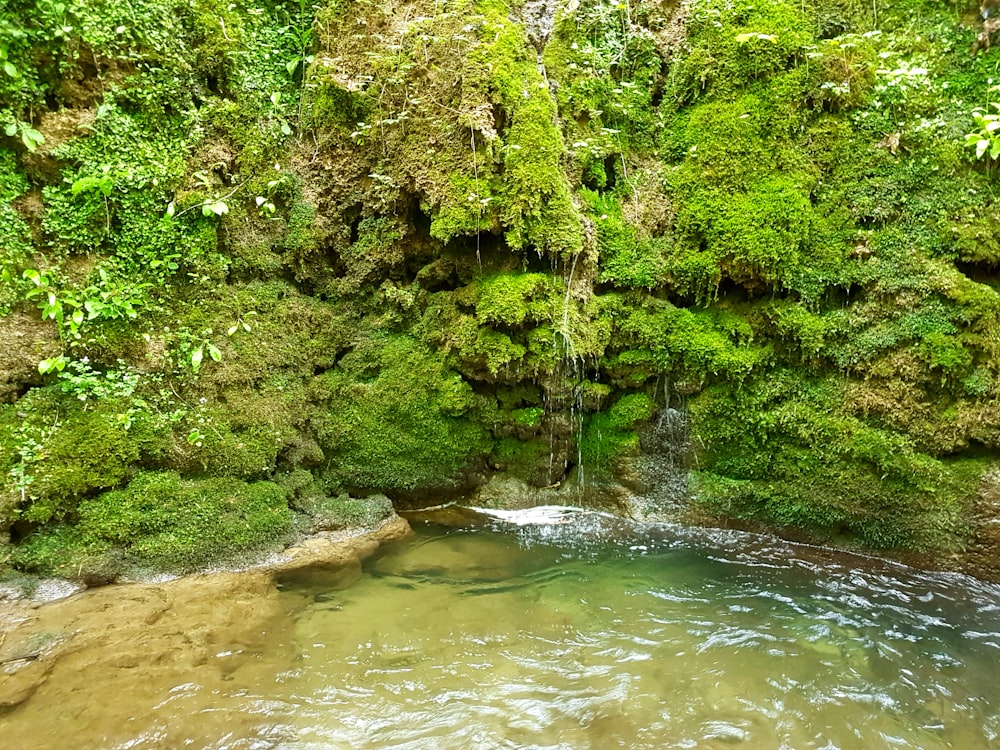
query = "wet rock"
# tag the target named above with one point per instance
(24, 342)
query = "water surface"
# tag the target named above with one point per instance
(587, 634)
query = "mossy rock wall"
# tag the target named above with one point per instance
(350, 249)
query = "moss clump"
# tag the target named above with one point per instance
(165, 522)
(396, 418)
(15, 255)
(689, 344)
(345, 512)
(511, 299)
(529, 460)
(611, 435)
(627, 258)
(67, 449)
(784, 451)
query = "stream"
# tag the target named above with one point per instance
(562, 629)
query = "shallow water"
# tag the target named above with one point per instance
(586, 634)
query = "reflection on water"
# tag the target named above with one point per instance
(587, 634)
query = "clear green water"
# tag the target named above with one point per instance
(597, 634)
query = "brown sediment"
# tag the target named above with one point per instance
(135, 639)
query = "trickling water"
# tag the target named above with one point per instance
(580, 632)
(663, 465)
(563, 396)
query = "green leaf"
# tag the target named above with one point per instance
(216, 207)
(51, 365)
(31, 138)
(10, 70)
(214, 353)
(981, 147)
(196, 357)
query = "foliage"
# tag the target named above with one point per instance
(984, 137)
(397, 418)
(165, 522)
(766, 443)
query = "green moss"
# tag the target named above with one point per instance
(692, 344)
(167, 522)
(527, 459)
(610, 435)
(396, 419)
(344, 512)
(330, 104)
(512, 299)
(627, 258)
(738, 44)
(802, 328)
(608, 68)
(66, 450)
(528, 417)
(630, 410)
(15, 254)
(786, 451)
(60, 550)
(536, 205)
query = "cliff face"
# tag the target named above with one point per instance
(272, 255)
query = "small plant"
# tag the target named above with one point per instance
(985, 138)
(8, 67)
(198, 355)
(79, 379)
(30, 137)
(106, 299)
